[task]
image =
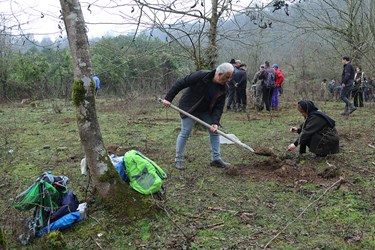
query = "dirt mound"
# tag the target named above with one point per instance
(281, 170)
(264, 151)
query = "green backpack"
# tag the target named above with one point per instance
(144, 174)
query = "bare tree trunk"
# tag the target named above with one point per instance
(212, 33)
(105, 178)
(97, 158)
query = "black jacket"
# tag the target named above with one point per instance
(240, 79)
(318, 135)
(348, 73)
(197, 85)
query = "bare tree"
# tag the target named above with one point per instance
(5, 54)
(84, 98)
(196, 26)
(105, 178)
(347, 25)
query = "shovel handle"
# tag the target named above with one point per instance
(238, 142)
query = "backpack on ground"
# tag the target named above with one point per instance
(145, 175)
(67, 204)
(270, 79)
(51, 201)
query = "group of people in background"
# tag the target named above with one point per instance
(208, 92)
(236, 96)
(356, 87)
(267, 86)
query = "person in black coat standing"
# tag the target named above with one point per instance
(347, 79)
(204, 97)
(268, 75)
(318, 131)
(240, 79)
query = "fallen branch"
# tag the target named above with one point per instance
(303, 211)
(95, 219)
(214, 226)
(97, 243)
(371, 146)
(164, 208)
(222, 210)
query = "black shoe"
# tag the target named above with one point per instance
(220, 163)
(179, 165)
(352, 110)
(319, 156)
(346, 111)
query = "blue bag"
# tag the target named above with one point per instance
(118, 162)
(69, 203)
(61, 223)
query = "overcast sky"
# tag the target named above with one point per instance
(41, 18)
(103, 17)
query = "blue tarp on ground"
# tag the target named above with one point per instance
(63, 222)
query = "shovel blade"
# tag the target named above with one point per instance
(224, 140)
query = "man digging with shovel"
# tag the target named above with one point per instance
(204, 98)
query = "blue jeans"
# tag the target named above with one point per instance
(186, 128)
(275, 98)
(345, 95)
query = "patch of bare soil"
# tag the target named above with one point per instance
(264, 151)
(282, 170)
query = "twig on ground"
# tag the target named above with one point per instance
(329, 164)
(303, 211)
(94, 219)
(97, 243)
(371, 146)
(214, 226)
(367, 170)
(163, 207)
(222, 210)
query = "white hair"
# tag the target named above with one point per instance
(224, 68)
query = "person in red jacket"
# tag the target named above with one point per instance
(278, 86)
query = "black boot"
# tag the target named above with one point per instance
(346, 111)
(351, 110)
(220, 163)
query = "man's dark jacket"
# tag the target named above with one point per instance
(348, 73)
(197, 85)
(240, 78)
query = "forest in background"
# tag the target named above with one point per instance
(307, 42)
(206, 208)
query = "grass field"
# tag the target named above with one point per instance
(282, 201)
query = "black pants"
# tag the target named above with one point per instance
(267, 97)
(241, 97)
(358, 97)
(230, 96)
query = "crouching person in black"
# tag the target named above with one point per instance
(318, 132)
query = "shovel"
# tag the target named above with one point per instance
(231, 138)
